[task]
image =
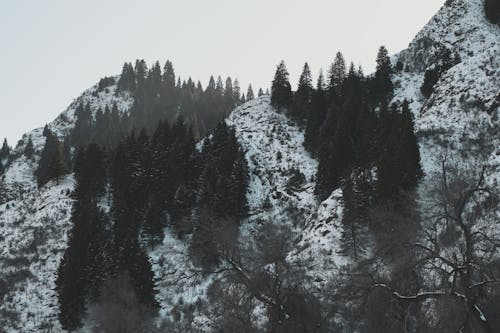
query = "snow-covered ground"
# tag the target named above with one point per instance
(33, 235)
(461, 116)
(34, 224)
(275, 152)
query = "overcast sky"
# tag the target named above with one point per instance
(52, 50)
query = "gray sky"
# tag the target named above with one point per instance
(52, 50)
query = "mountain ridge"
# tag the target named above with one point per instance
(442, 120)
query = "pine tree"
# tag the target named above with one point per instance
(238, 186)
(5, 151)
(398, 167)
(281, 89)
(236, 91)
(82, 132)
(336, 74)
(302, 100)
(29, 150)
(57, 166)
(228, 91)
(305, 82)
(82, 269)
(168, 76)
(383, 87)
(250, 94)
(219, 87)
(51, 165)
(316, 117)
(130, 186)
(261, 92)
(126, 82)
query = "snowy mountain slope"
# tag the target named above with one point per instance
(460, 116)
(462, 113)
(282, 181)
(19, 174)
(274, 150)
(33, 234)
(34, 224)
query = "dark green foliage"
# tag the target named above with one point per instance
(250, 94)
(5, 151)
(433, 74)
(359, 132)
(221, 198)
(29, 150)
(336, 75)
(129, 189)
(398, 166)
(127, 78)
(382, 87)
(492, 11)
(82, 132)
(357, 192)
(316, 116)
(82, 269)
(281, 96)
(158, 97)
(52, 162)
(104, 83)
(302, 99)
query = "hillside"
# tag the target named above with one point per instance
(460, 117)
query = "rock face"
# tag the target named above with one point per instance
(460, 117)
(462, 113)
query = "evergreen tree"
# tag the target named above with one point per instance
(238, 186)
(250, 94)
(399, 166)
(82, 132)
(302, 100)
(228, 91)
(336, 74)
(383, 87)
(82, 268)
(281, 88)
(57, 165)
(316, 117)
(169, 76)
(5, 151)
(261, 92)
(29, 150)
(130, 188)
(51, 165)
(126, 82)
(236, 91)
(219, 87)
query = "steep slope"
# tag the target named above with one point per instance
(282, 182)
(34, 224)
(461, 116)
(280, 191)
